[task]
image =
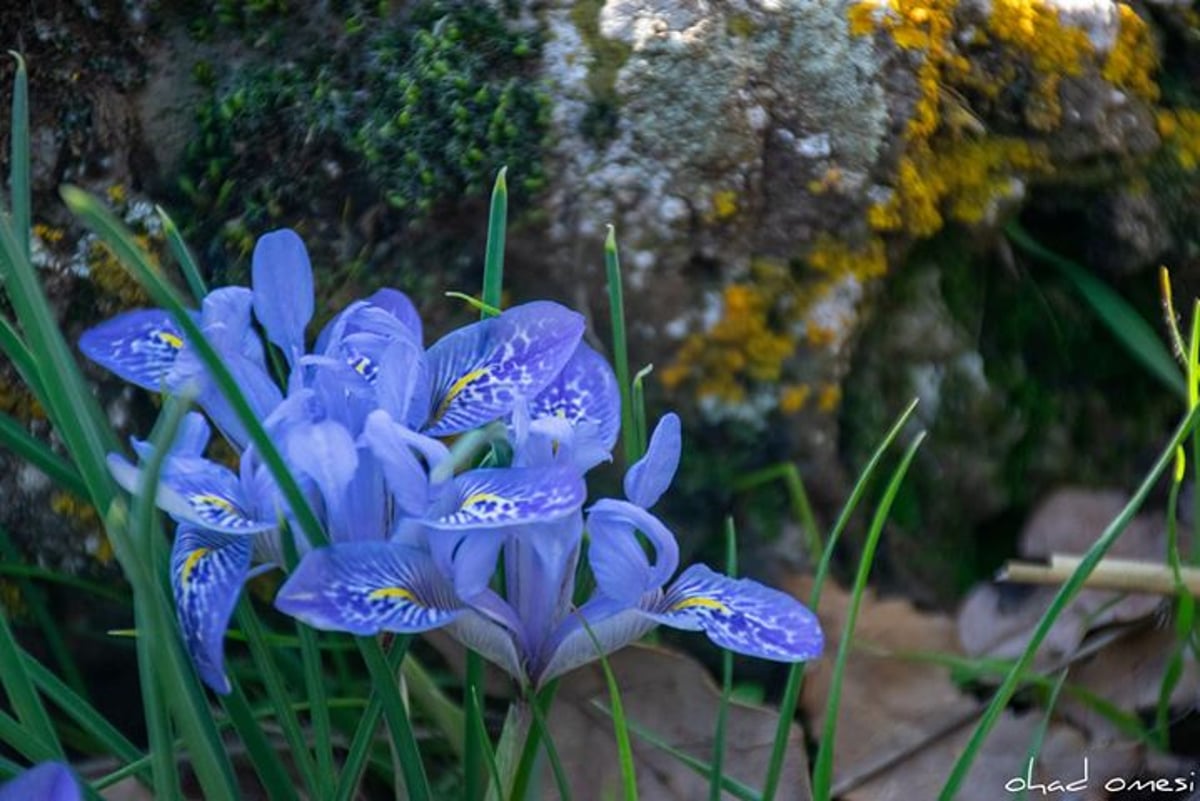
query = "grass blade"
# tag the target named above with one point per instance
(263, 756)
(18, 686)
(179, 248)
(718, 760)
(1130, 329)
(364, 737)
(489, 754)
(1065, 593)
(616, 310)
(620, 726)
(493, 260)
(823, 769)
(560, 775)
(18, 179)
(795, 681)
(472, 742)
(384, 679)
(14, 437)
(285, 715)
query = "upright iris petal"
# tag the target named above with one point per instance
(650, 476)
(481, 371)
(207, 573)
(578, 413)
(140, 346)
(283, 289)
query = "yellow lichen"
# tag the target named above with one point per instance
(724, 205)
(832, 257)
(746, 346)
(1180, 131)
(1133, 60)
(792, 397)
(84, 515)
(111, 278)
(117, 194)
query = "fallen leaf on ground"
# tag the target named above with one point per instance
(675, 697)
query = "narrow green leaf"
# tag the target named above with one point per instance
(556, 767)
(477, 722)
(1133, 332)
(795, 681)
(789, 474)
(154, 705)
(425, 694)
(187, 265)
(472, 756)
(263, 757)
(718, 760)
(384, 680)
(18, 686)
(823, 768)
(620, 726)
(81, 711)
(17, 737)
(267, 670)
(616, 311)
(14, 437)
(1066, 592)
(493, 262)
(485, 310)
(18, 180)
(523, 773)
(364, 736)
(728, 784)
(638, 399)
(14, 347)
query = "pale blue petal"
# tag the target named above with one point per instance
(49, 781)
(367, 587)
(741, 615)
(283, 289)
(207, 573)
(489, 639)
(326, 453)
(139, 346)
(496, 497)
(397, 304)
(585, 396)
(613, 624)
(621, 566)
(649, 478)
(482, 370)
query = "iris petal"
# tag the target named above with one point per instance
(207, 573)
(494, 497)
(283, 289)
(741, 615)
(49, 781)
(140, 346)
(585, 397)
(482, 370)
(650, 476)
(613, 624)
(368, 587)
(622, 569)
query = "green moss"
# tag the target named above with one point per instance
(419, 111)
(608, 56)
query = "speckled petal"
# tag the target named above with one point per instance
(140, 346)
(493, 497)
(207, 573)
(585, 397)
(481, 371)
(368, 587)
(741, 615)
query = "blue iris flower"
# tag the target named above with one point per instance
(414, 546)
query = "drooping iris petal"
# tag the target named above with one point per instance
(283, 289)
(741, 615)
(584, 396)
(367, 587)
(648, 479)
(613, 624)
(480, 371)
(495, 497)
(207, 573)
(489, 639)
(49, 781)
(621, 566)
(140, 346)
(197, 491)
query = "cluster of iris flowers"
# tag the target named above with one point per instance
(417, 542)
